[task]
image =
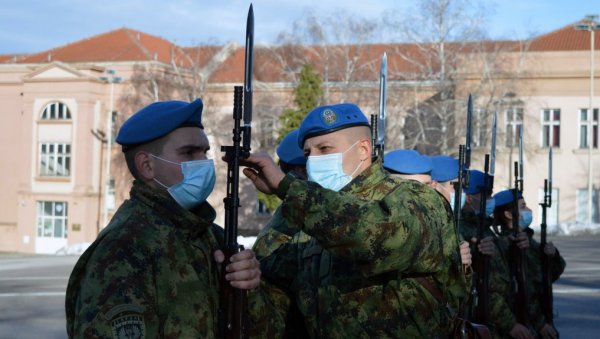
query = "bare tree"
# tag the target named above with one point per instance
(447, 57)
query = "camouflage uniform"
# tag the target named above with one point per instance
(534, 278)
(273, 311)
(355, 277)
(150, 273)
(502, 318)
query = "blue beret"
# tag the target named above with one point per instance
(328, 119)
(288, 150)
(505, 197)
(475, 182)
(159, 119)
(406, 161)
(443, 168)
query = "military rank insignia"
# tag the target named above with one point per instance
(127, 321)
(329, 117)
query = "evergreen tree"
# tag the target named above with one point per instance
(307, 95)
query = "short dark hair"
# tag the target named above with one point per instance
(155, 147)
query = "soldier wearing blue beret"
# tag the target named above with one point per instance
(375, 246)
(408, 164)
(129, 281)
(291, 156)
(503, 218)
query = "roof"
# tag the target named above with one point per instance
(281, 63)
(564, 39)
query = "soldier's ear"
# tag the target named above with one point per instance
(508, 215)
(365, 149)
(144, 165)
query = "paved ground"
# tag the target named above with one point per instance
(32, 292)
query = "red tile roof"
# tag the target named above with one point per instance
(564, 39)
(281, 63)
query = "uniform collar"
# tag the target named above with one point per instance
(194, 222)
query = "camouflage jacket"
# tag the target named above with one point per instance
(355, 277)
(273, 312)
(502, 317)
(534, 278)
(150, 273)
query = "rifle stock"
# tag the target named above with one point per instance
(233, 301)
(233, 307)
(519, 257)
(481, 261)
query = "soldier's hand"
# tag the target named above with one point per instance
(522, 240)
(243, 271)
(486, 246)
(550, 250)
(520, 332)
(548, 332)
(263, 172)
(465, 253)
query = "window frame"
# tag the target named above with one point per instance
(53, 218)
(59, 109)
(584, 125)
(550, 124)
(53, 157)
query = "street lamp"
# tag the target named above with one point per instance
(111, 78)
(590, 24)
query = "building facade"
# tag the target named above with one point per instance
(64, 177)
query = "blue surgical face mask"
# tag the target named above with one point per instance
(525, 219)
(328, 171)
(197, 184)
(490, 205)
(463, 199)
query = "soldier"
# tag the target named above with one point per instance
(408, 164)
(444, 170)
(503, 217)
(375, 256)
(280, 316)
(151, 271)
(503, 323)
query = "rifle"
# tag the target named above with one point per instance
(547, 298)
(378, 122)
(519, 256)
(232, 315)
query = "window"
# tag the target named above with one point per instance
(582, 206)
(584, 121)
(56, 111)
(514, 123)
(110, 195)
(52, 219)
(478, 126)
(551, 127)
(55, 159)
(552, 212)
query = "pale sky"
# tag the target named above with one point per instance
(28, 26)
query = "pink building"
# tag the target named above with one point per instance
(61, 109)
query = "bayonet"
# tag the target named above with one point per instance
(382, 102)
(248, 72)
(550, 176)
(468, 137)
(520, 188)
(493, 148)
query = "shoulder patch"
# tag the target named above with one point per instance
(127, 321)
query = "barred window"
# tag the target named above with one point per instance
(55, 159)
(56, 111)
